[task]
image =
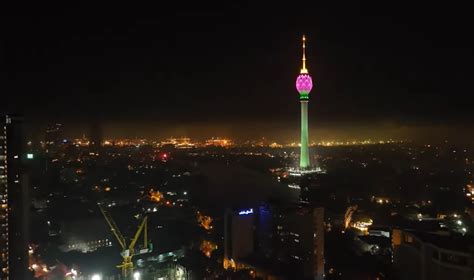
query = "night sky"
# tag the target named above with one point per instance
(152, 71)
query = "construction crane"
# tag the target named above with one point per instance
(127, 251)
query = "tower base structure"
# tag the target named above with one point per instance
(298, 172)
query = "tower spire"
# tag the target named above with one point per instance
(303, 69)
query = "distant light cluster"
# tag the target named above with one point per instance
(188, 143)
(356, 142)
(219, 142)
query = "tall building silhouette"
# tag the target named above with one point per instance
(14, 215)
(53, 137)
(96, 134)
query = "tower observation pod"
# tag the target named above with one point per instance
(304, 84)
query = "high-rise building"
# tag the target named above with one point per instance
(286, 241)
(239, 233)
(432, 255)
(304, 84)
(96, 135)
(299, 239)
(54, 134)
(318, 243)
(14, 200)
(53, 137)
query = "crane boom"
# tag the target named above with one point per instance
(143, 224)
(127, 251)
(113, 227)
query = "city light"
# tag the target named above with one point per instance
(204, 221)
(229, 264)
(155, 196)
(362, 225)
(96, 277)
(136, 275)
(72, 273)
(207, 247)
(294, 186)
(218, 142)
(246, 212)
(29, 156)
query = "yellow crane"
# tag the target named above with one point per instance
(127, 251)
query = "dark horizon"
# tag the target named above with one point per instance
(377, 70)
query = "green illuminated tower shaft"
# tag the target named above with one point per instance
(304, 152)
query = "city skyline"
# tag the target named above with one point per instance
(422, 134)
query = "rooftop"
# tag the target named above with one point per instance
(447, 240)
